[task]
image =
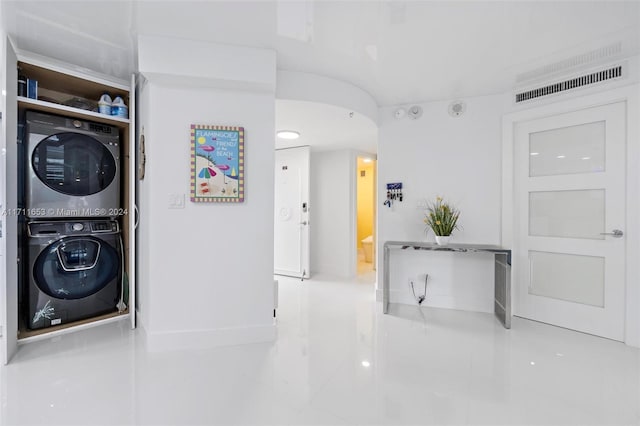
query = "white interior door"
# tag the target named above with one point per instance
(570, 206)
(291, 229)
(9, 197)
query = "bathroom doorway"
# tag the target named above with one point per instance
(366, 216)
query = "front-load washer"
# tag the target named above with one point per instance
(73, 167)
(75, 271)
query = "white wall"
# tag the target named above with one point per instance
(332, 214)
(3, 37)
(2, 173)
(206, 271)
(459, 159)
(196, 64)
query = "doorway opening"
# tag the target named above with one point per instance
(291, 231)
(366, 216)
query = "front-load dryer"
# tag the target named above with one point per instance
(75, 271)
(73, 167)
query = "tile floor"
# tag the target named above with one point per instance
(337, 360)
(363, 267)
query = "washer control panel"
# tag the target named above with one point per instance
(61, 228)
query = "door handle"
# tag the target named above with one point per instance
(617, 233)
(71, 268)
(304, 223)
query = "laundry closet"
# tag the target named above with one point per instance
(68, 200)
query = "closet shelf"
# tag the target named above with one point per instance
(50, 107)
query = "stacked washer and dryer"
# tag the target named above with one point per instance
(72, 240)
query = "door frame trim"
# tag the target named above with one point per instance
(629, 94)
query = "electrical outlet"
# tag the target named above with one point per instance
(176, 201)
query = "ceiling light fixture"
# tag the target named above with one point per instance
(586, 158)
(288, 134)
(561, 156)
(366, 160)
(534, 154)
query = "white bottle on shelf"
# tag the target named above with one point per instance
(104, 104)
(118, 108)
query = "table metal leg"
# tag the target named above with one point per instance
(502, 288)
(385, 280)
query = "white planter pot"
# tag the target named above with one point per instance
(442, 240)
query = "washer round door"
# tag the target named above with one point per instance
(73, 164)
(76, 267)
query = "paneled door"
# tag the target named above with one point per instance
(291, 227)
(569, 194)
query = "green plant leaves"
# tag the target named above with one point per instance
(441, 217)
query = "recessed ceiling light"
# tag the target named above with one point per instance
(288, 134)
(366, 363)
(560, 156)
(367, 160)
(534, 153)
(586, 158)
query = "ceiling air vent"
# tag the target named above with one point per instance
(585, 80)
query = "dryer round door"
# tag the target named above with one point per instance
(73, 164)
(76, 267)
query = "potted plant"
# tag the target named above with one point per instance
(442, 218)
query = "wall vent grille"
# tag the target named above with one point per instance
(574, 83)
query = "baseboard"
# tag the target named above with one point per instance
(207, 339)
(442, 301)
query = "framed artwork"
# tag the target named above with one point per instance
(217, 164)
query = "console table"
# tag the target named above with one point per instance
(502, 279)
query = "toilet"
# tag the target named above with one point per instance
(367, 246)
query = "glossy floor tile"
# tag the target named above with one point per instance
(363, 267)
(337, 361)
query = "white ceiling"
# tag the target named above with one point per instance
(325, 127)
(401, 52)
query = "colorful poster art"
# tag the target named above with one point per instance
(217, 164)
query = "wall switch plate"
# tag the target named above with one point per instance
(176, 201)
